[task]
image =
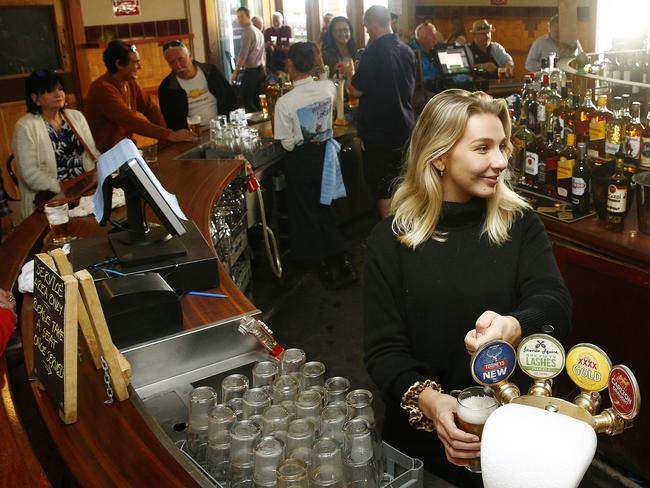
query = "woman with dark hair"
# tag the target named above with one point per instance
(339, 46)
(51, 144)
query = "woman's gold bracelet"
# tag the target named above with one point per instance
(409, 402)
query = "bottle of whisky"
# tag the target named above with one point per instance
(584, 115)
(531, 167)
(645, 144)
(633, 133)
(552, 162)
(546, 151)
(520, 139)
(617, 196)
(565, 168)
(581, 181)
(615, 129)
(598, 128)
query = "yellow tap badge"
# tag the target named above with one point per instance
(588, 367)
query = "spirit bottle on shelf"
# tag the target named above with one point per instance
(598, 128)
(531, 167)
(615, 129)
(617, 195)
(584, 115)
(633, 133)
(581, 181)
(565, 168)
(520, 139)
(645, 143)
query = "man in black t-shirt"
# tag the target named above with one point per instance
(384, 84)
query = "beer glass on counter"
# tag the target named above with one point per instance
(475, 404)
(194, 124)
(57, 217)
(264, 104)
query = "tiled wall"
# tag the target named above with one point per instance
(159, 28)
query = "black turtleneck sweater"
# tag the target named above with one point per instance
(419, 305)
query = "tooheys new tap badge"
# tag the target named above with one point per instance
(493, 363)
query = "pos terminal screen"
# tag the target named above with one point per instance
(454, 60)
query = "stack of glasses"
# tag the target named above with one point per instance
(292, 429)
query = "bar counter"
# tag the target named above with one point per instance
(608, 275)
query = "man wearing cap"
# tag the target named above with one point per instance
(487, 54)
(545, 45)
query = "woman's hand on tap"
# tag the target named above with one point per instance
(459, 446)
(491, 326)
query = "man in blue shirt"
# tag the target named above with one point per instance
(425, 41)
(384, 84)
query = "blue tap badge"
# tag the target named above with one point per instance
(493, 363)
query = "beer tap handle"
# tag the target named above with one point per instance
(491, 366)
(541, 357)
(588, 366)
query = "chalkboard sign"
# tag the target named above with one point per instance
(29, 39)
(55, 336)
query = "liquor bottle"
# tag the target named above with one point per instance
(552, 101)
(565, 168)
(557, 76)
(617, 195)
(581, 181)
(531, 167)
(563, 108)
(520, 139)
(645, 143)
(545, 152)
(637, 71)
(571, 118)
(531, 109)
(553, 151)
(615, 129)
(583, 116)
(626, 107)
(633, 133)
(542, 98)
(598, 128)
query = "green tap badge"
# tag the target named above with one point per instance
(541, 356)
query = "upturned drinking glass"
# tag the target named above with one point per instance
(264, 373)
(220, 420)
(337, 388)
(358, 455)
(300, 433)
(321, 391)
(292, 361)
(332, 420)
(237, 406)
(305, 454)
(233, 386)
(312, 374)
(290, 406)
(202, 399)
(327, 466)
(285, 387)
(255, 400)
(275, 419)
(309, 406)
(268, 455)
(244, 436)
(292, 473)
(359, 405)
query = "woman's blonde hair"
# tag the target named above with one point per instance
(417, 203)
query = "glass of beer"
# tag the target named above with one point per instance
(475, 404)
(502, 74)
(57, 217)
(264, 104)
(194, 124)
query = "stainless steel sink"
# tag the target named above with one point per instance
(165, 371)
(269, 151)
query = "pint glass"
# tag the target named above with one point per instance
(57, 217)
(194, 124)
(475, 405)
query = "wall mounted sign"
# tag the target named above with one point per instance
(123, 8)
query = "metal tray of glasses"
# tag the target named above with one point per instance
(402, 471)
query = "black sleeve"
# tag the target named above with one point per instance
(168, 108)
(223, 91)
(367, 72)
(387, 346)
(542, 296)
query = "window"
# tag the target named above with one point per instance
(295, 16)
(230, 30)
(622, 24)
(335, 7)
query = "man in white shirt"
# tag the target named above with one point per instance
(545, 45)
(251, 59)
(192, 89)
(303, 124)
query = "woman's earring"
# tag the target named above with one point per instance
(441, 171)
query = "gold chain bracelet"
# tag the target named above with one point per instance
(409, 402)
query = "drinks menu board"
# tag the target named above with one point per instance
(55, 336)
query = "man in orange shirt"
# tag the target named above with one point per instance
(115, 98)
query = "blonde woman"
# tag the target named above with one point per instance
(461, 261)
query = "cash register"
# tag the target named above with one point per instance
(455, 68)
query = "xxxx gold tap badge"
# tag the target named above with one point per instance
(541, 356)
(624, 392)
(588, 367)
